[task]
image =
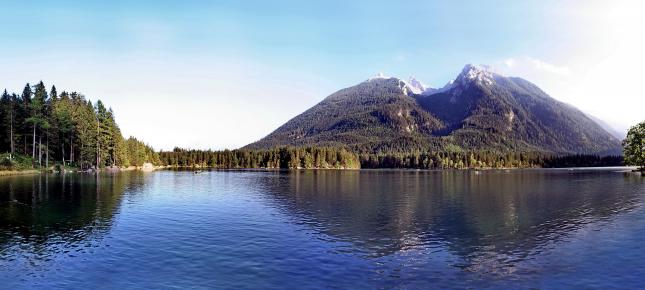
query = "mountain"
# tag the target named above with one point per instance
(609, 128)
(372, 113)
(479, 110)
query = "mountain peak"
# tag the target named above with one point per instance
(416, 86)
(378, 76)
(410, 87)
(480, 74)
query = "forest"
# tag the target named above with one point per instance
(278, 157)
(42, 128)
(485, 159)
(339, 157)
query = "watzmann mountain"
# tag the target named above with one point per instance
(479, 110)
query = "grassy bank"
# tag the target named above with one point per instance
(18, 172)
(17, 164)
(21, 164)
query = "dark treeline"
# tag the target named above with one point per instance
(333, 157)
(66, 129)
(583, 161)
(484, 159)
(285, 157)
(452, 160)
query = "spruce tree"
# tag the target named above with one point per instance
(5, 121)
(23, 114)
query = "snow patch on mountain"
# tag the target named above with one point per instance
(480, 74)
(410, 87)
(471, 74)
(445, 88)
(416, 86)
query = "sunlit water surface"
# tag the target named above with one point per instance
(324, 229)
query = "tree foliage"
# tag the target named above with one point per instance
(283, 157)
(66, 128)
(634, 146)
(340, 157)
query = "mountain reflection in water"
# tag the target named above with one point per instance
(505, 216)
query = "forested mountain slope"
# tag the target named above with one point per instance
(377, 113)
(479, 110)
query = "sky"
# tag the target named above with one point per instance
(222, 74)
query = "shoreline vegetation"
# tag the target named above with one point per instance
(54, 169)
(44, 130)
(324, 158)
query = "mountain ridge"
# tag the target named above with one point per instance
(479, 110)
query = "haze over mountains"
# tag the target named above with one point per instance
(479, 110)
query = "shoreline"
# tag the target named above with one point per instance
(19, 172)
(625, 169)
(206, 168)
(74, 170)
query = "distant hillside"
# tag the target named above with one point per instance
(613, 131)
(373, 113)
(479, 110)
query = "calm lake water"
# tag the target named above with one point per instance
(324, 229)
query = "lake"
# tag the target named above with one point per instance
(324, 229)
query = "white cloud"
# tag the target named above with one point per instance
(509, 62)
(528, 64)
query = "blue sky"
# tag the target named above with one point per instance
(221, 74)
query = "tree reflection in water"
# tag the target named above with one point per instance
(42, 215)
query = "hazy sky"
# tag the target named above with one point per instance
(221, 74)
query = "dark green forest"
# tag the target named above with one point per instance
(43, 128)
(284, 157)
(338, 157)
